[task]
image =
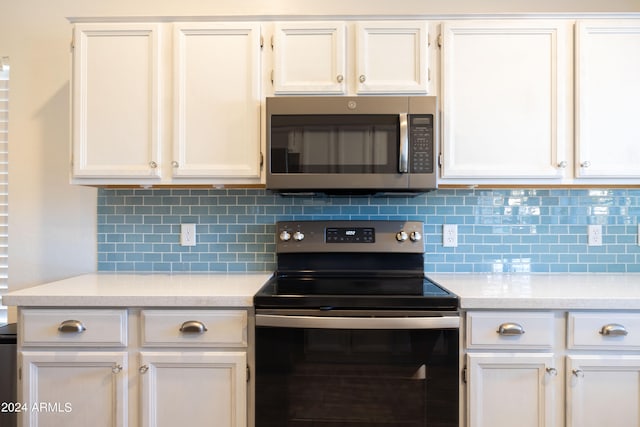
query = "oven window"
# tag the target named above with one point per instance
(334, 143)
(331, 378)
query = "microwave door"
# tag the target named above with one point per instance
(339, 151)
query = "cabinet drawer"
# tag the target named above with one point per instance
(605, 330)
(496, 330)
(73, 328)
(214, 328)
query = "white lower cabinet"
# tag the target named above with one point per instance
(603, 369)
(74, 388)
(215, 395)
(603, 391)
(552, 368)
(511, 389)
(193, 368)
(132, 367)
(512, 373)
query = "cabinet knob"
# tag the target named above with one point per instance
(562, 164)
(577, 373)
(143, 369)
(585, 164)
(116, 369)
(193, 327)
(175, 164)
(552, 371)
(153, 165)
(509, 328)
(71, 327)
(340, 78)
(362, 78)
(614, 330)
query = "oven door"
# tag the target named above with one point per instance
(356, 371)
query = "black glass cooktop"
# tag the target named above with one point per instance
(354, 292)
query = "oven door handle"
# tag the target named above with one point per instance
(325, 322)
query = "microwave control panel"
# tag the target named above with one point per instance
(421, 143)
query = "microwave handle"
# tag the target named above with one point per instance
(403, 162)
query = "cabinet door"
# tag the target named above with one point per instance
(217, 100)
(74, 389)
(216, 395)
(603, 391)
(504, 99)
(116, 101)
(309, 57)
(607, 93)
(506, 390)
(391, 57)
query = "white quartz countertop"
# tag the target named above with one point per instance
(143, 290)
(476, 291)
(544, 291)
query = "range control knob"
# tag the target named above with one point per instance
(401, 236)
(415, 236)
(298, 236)
(285, 236)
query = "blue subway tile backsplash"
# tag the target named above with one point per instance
(499, 230)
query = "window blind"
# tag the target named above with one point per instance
(4, 182)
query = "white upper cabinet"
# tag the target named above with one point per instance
(116, 101)
(167, 103)
(367, 57)
(391, 57)
(504, 100)
(216, 100)
(607, 94)
(309, 57)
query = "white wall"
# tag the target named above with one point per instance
(52, 225)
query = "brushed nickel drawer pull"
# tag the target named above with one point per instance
(509, 328)
(116, 369)
(71, 326)
(614, 330)
(193, 327)
(552, 371)
(143, 369)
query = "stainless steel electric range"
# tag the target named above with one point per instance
(350, 332)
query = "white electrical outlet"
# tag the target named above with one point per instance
(187, 234)
(594, 237)
(449, 235)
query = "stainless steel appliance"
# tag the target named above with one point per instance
(338, 144)
(349, 332)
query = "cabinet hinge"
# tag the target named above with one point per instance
(464, 375)
(440, 160)
(19, 374)
(429, 74)
(439, 40)
(261, 41)
(272, 42)
(73, 39)
(261, 160)
(428, 39)
(271, 76)
(248, 373)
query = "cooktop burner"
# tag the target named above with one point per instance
(327, 265)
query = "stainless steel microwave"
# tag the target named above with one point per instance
(337, 144)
